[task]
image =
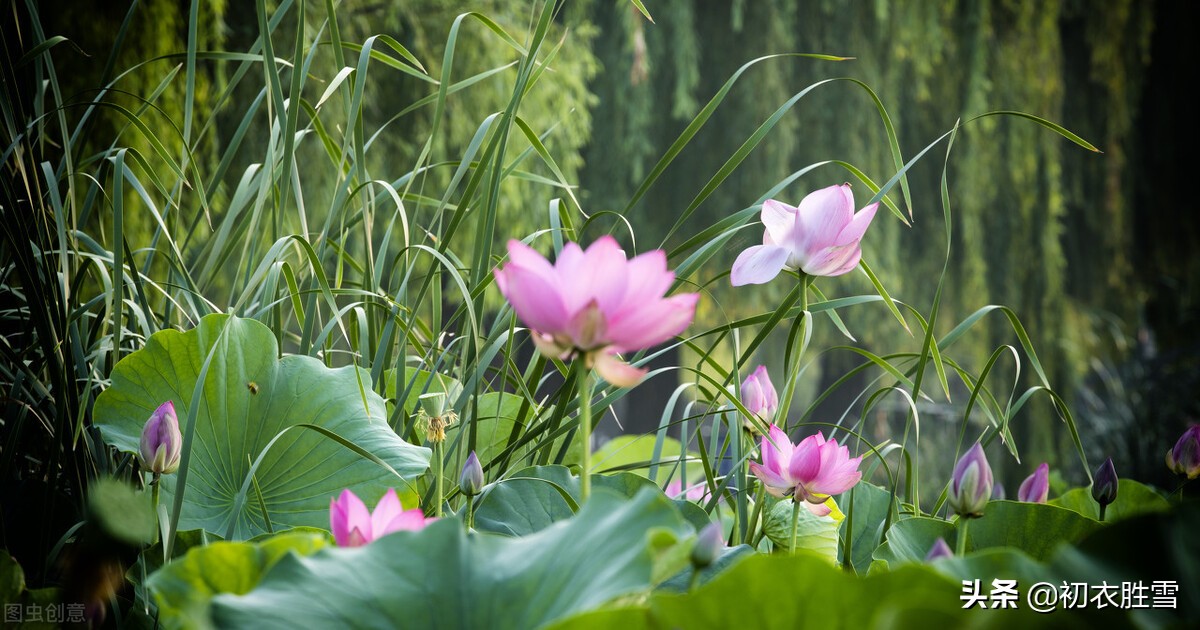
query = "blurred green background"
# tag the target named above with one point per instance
(1095, 252)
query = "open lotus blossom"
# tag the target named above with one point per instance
(1036, 487)
(354, 526)
(819, 237)
(161, 444)
(595, 303)
(971, 484)
(758, 395)
(811, 471)
(1184, 459)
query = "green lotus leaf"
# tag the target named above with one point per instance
(185, 587)
(1033, 528)
(779, 591)
(818, 534)
(249, 398)
(445, 577)
(1133, 499)
(533, 498)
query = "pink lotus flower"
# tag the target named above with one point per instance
(820, 237)
(595, 303)
(354, 526)
(161, 445)
(758, 394)
(1036, 487)
(696, 492)
(811, 471)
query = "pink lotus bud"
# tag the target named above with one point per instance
(709, 544)
(819, 237)
(470, 482)
(1104, 483)
(939, 550)
(971, 484)
(595, 303)
(811, 471)
(1036, 487)
(1184, 459)
(161, 444)
(758, 394)
(354, 526)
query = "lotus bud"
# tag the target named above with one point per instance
(709, 544)
(998, 493)
(470, 481)
(939, 550)
(971, 485)
(161, 443)
(1036, 487)
(1104, 484)
(1184, 459)
(759, 397)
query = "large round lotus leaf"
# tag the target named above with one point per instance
(249, 397)
(1033, 528)
(765, 592)
(818, 534)
(1133, 499)
(531, 499)
(443, 577)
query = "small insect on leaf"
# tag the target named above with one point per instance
(253, 387)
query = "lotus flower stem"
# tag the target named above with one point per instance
(439, 465)
(795, 524)
(789, 388)
(154, 502)
(960, 545)
(585, 428)
(1102, 509)
(759, 499)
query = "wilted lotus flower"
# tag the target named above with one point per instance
(1104, 484)
(1036, 487)
(820, 237)
(595, 303)
(470, 481)
(354, 526)
(939, 550)
(1184, 459)
(811, 471)
(758, 395)
(161, 443)
(971, 485)
(709, 544)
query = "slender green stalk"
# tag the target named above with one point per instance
(695, 578)
(789, 388)
(154, 501)
(1103, 507)
(795, 524)
(437, 474)
(961, 544)
(759, 499)
(585, 428)
(470, 512)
